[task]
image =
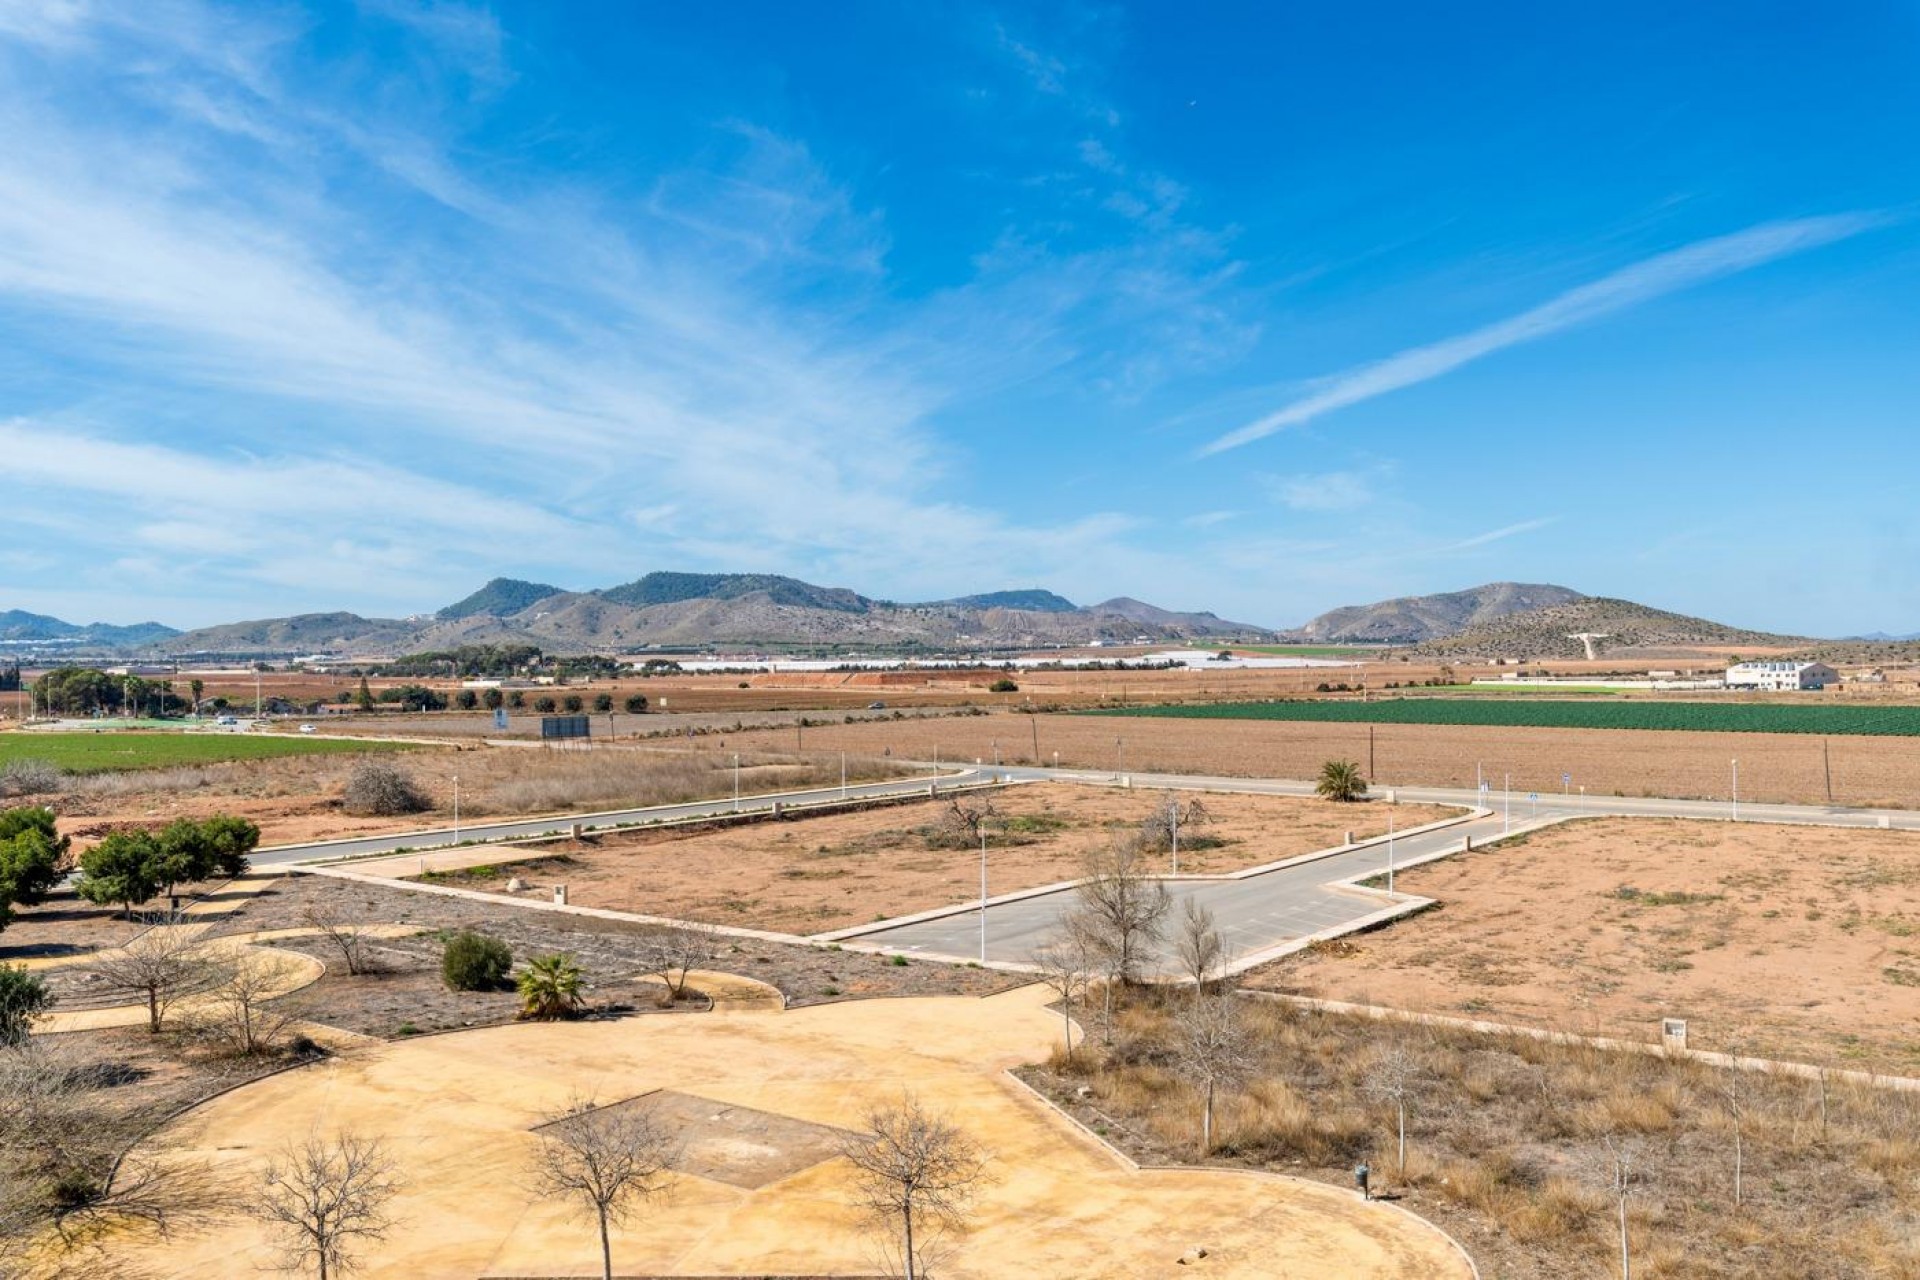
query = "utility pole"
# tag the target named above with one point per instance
(259, 704)
(1506, 824)
(736, 782)
(1034, 722)
(1826, 764)
(1173, 808)
(1736, 791)
(1389, 851)
(456, 808)
(843, 775)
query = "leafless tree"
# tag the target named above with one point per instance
(1198, 946)
(961, 823)
(1162, 829)
(604, 1161)
(1067, 965)
(236, 1009)
(1622, 1168)
(1394, 1079)
(915, 1173)
(323, 1199)
(160, 966)
(671, 950)
(348, 937)
(1121, 909)
(1214, 1050)
(1733, 1095)
(62, 1177)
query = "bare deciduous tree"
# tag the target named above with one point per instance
(1121, 909)
(1164, 828)
(1214, 1050)
(62, 1176)
(604, 1161)
(670, 951)
(348, 937)
(1198, 946)
(1622, 1168)
(160, 966)
(1066, 965)
(236, 1008)
(323, 1199)
(1394, 1078)
(915, 1173)
(961, 823)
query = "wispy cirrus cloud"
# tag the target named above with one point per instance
(1628, 287)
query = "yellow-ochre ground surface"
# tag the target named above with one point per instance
(761, 1095)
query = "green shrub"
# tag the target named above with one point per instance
(1003, 685)
(23, 997)
(636, 704)
(475, 962)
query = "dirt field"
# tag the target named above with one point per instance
(818, 874)
(1773, 767)
(299, 799)
(1791, 942)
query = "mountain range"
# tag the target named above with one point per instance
(732, 609)
(749, 610)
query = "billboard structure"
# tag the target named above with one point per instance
(565, 727)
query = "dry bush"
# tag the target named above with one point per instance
(558, 781)
(381, 788)
(30, 778)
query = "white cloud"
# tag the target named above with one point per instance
(1493, 535)
(1328, 491)
(1631, 286)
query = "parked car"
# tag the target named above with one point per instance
(876, 706)
(306, 728)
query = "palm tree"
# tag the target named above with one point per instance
(551, 987)
(1341, 780)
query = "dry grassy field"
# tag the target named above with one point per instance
(299, 799)
(1507, 1143)
(1791, 942)
(1773, 767)
(811, 875)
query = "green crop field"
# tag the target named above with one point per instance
(1550, 714)
(90, 752)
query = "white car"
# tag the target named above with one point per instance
(306, 728)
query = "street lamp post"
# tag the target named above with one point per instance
(1736, 791)
(1506, 823)
(456, 808)
(843, 775)
(983, 892)
(1389, 851)
(736, 782)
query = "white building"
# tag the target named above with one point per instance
(1780, 675)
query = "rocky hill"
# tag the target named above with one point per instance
(1632, 630)
(27, 628)
(1414, 620)
(731, 610)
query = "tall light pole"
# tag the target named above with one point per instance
(1736, 791)
(1119, 749)
(1506, 823)
(983, 891)
(736, 782)
(1173, 815)
(843, 775)
(456, 808)
(1389, 851)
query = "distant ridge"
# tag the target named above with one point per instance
(19, 625)
(500, 598)
(1631, 630)
(727, 610)
(1413, 620)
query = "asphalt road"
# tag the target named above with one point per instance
(1262, 912)
(440, 837)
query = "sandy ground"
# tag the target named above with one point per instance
(1791, 942)
(816, 874)
(1773, 767)
(458, 1114)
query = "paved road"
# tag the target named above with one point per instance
(439, 837)
(1261, 912)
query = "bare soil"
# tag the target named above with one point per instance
(298, 799)
(816, 874)
(1800, 943)
(1782, 768)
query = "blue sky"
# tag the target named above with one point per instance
(1257, 308)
